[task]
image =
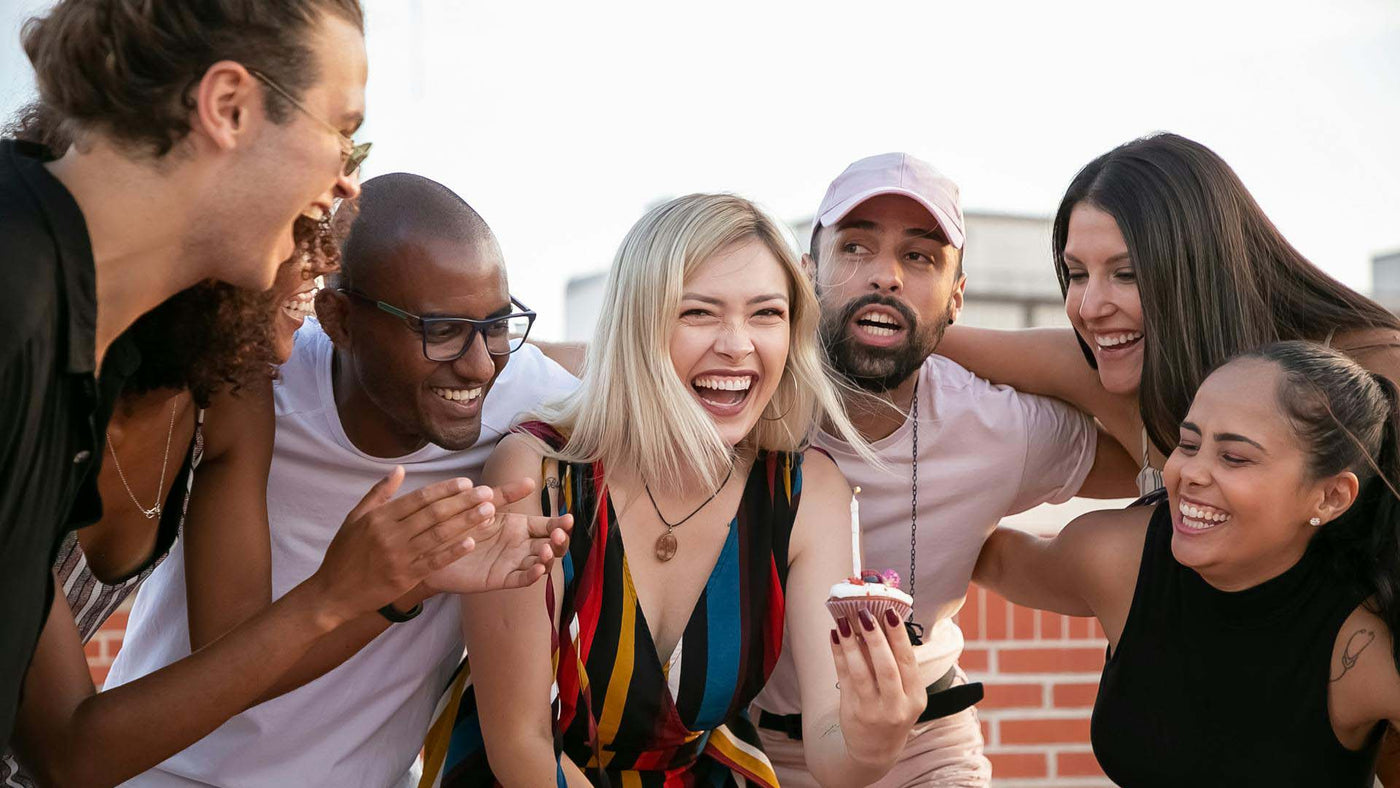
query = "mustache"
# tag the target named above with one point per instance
(855, 305)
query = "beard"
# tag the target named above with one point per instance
(879, 369)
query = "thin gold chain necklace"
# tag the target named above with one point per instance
(155, 510)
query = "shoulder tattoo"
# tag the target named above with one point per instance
(1356, 644)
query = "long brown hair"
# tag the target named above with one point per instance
(1214, 275)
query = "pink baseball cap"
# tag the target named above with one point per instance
(895, 173)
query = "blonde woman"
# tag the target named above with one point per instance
(706, 529)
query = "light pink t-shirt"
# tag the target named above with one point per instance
(985, 452)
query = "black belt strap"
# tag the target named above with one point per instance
(944, 700)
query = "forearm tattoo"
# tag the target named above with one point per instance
(833, 729)
(1356, 644)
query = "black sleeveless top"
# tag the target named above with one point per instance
(1217, 688)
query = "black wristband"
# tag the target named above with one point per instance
(395, 617)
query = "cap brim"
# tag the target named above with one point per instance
(839, 211)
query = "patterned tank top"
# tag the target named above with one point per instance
(93, 601)
(625, 714)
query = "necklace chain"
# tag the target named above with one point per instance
(155, 510)
(914, 497)
(670, 526)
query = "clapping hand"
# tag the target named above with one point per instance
(512, 550)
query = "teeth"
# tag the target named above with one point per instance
(741, 383)
(458, 395)
(1201, 517)
(314, 213)
(880, 331)
(301, 304)
(879, 318)
(1113, 340)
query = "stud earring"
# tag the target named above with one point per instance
(1315, 522)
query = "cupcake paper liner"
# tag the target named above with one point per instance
(850, 607)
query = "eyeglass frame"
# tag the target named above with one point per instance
(478, 327)
(354, 155)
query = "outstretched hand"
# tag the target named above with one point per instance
(512, 550)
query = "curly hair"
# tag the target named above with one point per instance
(212, 336)
(126, 67)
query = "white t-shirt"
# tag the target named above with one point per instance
(985, 451)
(362, 723)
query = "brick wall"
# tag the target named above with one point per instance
(103, 647)
(1041, 671)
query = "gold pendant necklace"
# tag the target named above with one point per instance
(666, 544)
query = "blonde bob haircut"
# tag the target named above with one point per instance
(632, 409)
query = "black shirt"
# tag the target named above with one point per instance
(53, 409)
(1215, 688)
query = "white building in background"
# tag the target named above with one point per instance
(1385, 279)
(1010, 280)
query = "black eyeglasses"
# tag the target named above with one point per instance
(352, 154)
(447, 338)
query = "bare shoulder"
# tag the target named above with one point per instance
(514, 455)
(826, 496)
(1112, 532)
(823, 484)
(244, 418)
(1363, 683)
(1107, 552)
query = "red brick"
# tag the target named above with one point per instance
(994, 608)
(1022, 623)
(974, 660)
(987, 731)
(1098, 630)
(1014, 696)
(99, 675)
(1069, 731)
(1077, 764)
(115, 622)
(1018, 764)
(968, 616)
(94, 650)
(1050, 660)
(1052, 626)
(1077, 695)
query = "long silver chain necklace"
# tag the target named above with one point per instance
(666, 544)
(155, 510)
(915, 630)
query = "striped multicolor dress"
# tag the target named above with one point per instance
(622, 712)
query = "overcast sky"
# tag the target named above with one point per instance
(561, 122)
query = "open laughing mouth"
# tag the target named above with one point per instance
(878, 325)
(723, 394)
(1198, 517)
(1116, 343)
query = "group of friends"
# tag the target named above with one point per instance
(400, 543)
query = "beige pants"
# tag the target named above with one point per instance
(943, 752)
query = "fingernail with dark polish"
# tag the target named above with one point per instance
(845, 625)
(867, 621)
(891, 618)
(835, 638)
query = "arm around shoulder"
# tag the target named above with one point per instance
(1089, 569)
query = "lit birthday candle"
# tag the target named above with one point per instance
(855, 533)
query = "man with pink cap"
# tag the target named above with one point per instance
(959, 452)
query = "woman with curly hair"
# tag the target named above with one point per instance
(199, 370)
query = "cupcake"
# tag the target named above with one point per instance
(876, 592)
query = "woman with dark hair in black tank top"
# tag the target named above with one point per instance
(1250, 611)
